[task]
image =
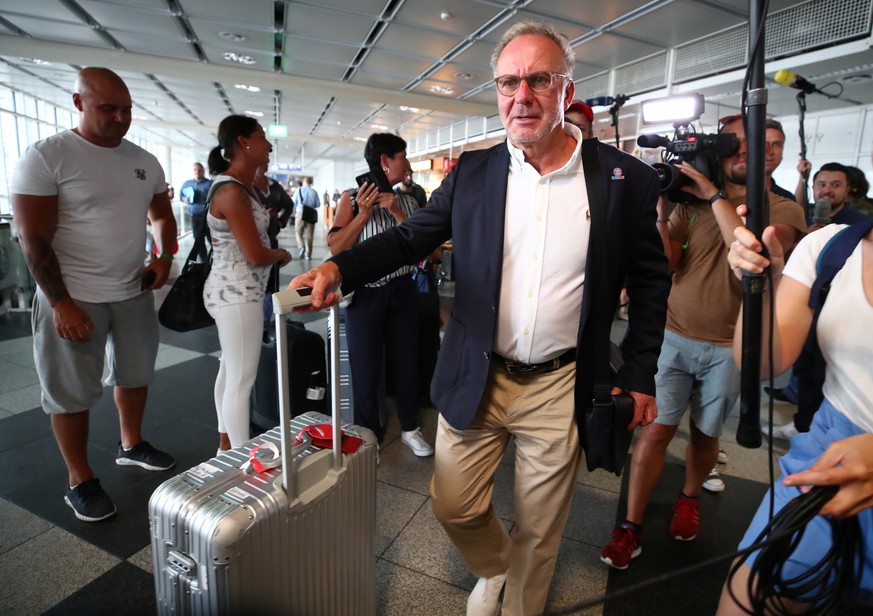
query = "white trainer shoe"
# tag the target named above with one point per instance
(785, 431)
(415, 441)
(484, 600)
(714, 482)
(722, 456)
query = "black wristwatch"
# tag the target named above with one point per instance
(719, 195)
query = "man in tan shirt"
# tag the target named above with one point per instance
(696, 367)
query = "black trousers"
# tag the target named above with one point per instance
(383, 322)
(198, 224)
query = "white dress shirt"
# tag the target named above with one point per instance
(545, 247)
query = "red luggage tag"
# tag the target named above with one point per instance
(322, 436)
(260, 464)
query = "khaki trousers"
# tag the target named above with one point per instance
(538, 412)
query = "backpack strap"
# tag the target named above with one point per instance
(832, 258)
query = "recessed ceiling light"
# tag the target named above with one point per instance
(235, 57)
(232, 36)
(855, 79)
(242, 86)
(379, 126)
(254, 114)
(36, 61)
(360, 138)
(464, 76)
(409, 109)
(442, 89)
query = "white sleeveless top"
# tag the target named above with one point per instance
(232, 279)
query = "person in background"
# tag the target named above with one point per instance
(194, 193)
(838, 448)
(408, 186)
(280, 207)
(383, 316)
(696, 372)
(515, 364)
(305, 197)
(241, 261)
(775, 140)
(858, 189)
(79, 199)
(580, 114)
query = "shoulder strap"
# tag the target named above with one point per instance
(830, 261)
(598, 283)
(832, 258)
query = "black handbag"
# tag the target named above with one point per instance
(183, 309)
(310, 214)
(604, 433)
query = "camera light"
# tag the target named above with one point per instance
(676, 109)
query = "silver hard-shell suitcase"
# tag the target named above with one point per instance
(295, 539)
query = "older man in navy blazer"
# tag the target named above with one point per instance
(519, 218)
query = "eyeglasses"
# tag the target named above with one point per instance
(538, 82)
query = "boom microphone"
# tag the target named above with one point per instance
(600, 101)
(792, 80)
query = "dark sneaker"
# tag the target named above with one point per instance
(89, 502)
(146, 456)
(686, 519)
(624, 546)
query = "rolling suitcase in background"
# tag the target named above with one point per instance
(297, 539)
(307, 376)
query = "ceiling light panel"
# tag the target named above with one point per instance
(250, 14)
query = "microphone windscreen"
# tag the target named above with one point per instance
(652, 141)
(785, 77)
(821, 212)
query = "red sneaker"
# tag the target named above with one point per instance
(624, 546)
(686, 519)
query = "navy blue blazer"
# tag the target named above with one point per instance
(469, 208)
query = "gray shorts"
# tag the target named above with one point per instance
(70, 373)
(696, 374)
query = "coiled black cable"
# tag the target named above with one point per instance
(830, 586)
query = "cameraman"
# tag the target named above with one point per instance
(696, 366)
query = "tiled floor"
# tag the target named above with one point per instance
(50, 562)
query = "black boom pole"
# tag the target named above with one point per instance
(749, 429)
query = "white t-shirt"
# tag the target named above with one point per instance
(103, 200)
(844, 327)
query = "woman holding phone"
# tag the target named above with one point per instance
(382, 320)
(241, 261)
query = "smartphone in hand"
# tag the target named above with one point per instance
(376, 176)
(147, 279)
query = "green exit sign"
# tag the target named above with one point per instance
(277, 131)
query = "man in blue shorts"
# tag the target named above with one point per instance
(696, 368)
(79, 199)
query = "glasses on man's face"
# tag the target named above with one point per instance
(538, 82)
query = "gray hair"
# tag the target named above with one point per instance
(540, 29)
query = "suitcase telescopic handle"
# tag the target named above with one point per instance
(281, 307)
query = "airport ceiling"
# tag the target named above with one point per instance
(334, 71)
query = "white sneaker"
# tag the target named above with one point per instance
(484, 600)
(722, 456)
(714, 482)
(415, 441)
(785, 431)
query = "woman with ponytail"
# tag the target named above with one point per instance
(241, 261)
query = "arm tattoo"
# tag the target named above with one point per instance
(43, 265)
